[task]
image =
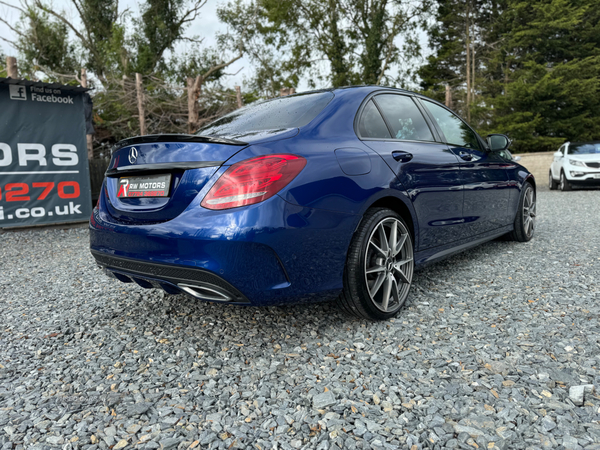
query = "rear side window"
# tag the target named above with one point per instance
(371, 123)
(279, 113)
(403, 117)
(455, 130)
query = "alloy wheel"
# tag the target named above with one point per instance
(389, 264)
(529, 211)
(564, 184)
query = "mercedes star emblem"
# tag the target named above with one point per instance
(133, 154)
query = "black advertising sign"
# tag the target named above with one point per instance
(44, 173)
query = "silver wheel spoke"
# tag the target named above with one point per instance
(376, 269)
(387, 291)
(395, 290)
(403, 262)
(378, 249)
(402, 274)
(398, 248)
(383, 239)
(380, 279)
(393, 242)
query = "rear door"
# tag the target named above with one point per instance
(394, 126)
(484, 174)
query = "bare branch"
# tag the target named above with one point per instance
(12, 6)
(213, 69)
(8, 42)
(234, 74)
(11, 27)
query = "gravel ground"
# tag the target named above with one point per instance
(493, 350)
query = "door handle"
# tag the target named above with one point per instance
(402, 156)
(465, 155)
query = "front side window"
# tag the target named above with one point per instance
(455, 130)
(403, 117)
(371, 123)
(277, 114)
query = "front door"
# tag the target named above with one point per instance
(393, 126)
(484, 173)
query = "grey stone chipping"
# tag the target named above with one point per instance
(89, 363)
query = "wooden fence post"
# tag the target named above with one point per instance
(140, 101)
(283, 92)
(238, 94)
(11, 67)
(88, 137)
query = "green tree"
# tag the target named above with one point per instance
(44, 44)
(2, 67)
(461, 35)
(162, 23)
(544, 76)
(360, 41)
(54, 44)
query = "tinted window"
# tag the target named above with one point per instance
(584, 149)
(404, 117)
(279, 113)
(456, 131)
(371, 123)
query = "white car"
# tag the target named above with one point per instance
(575, 164)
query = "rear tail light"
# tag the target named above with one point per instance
(253, 180)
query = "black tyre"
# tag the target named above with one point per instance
(552, 184)
(564, 183)
(526, 213)
(379, 266)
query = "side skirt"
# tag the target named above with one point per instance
(435, 254)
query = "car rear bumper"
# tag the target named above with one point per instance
(265, 254)
(173, 279)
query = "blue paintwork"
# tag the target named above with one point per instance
(292, 247)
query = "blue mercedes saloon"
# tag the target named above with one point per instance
(331, 194)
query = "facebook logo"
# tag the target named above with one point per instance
(17, 92)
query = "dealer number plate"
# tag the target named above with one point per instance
(144, 186)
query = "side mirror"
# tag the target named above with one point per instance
(516, 158)
(498, 142)
(558, 154)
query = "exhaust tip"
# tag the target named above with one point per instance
(204, 292)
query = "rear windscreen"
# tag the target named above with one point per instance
(284, 112)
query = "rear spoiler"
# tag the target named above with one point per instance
(152, 138)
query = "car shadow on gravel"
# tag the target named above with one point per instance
(179, 309)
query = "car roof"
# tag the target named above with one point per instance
(363, 87)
